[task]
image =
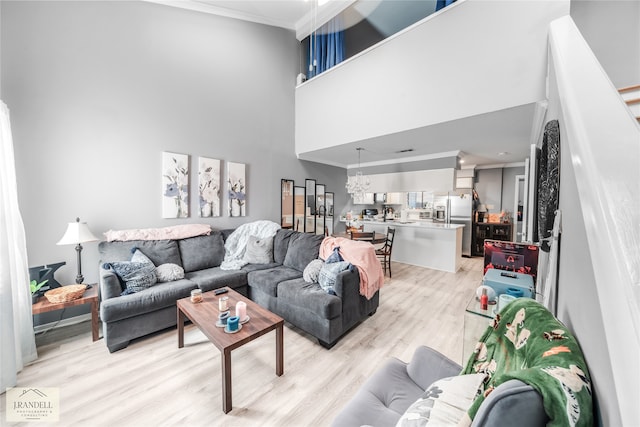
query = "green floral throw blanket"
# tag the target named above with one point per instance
(526, 342)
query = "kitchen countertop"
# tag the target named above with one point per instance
(421, 224)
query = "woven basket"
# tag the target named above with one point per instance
(65, 293)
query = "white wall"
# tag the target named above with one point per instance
(612, 30)
(97, 90)
(599, 198)
(417, 78)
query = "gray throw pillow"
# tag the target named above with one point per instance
(259, 250)
(139, 256)
(312, 271)
(329, 272)
(138, 274)
(169, 272)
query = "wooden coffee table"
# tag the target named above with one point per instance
(205, 315)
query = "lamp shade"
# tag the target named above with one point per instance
(77, 232)
(482, 208)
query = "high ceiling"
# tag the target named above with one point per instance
(479, 139)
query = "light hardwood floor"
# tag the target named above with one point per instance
(153, 383)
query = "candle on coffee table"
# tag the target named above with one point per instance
(233, 323)
(241, 310)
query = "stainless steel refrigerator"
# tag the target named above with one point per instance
(460, 211)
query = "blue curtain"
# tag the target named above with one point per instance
(443, 3)
(326, 48)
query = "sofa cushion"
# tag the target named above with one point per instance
(255, 267)
(281, 244)
(158, 251)
(226, 233)
(303, 248)
(155, 298)
(267, 280)
(311, 296)
(259, 250)
(444, 403)
(214, 278)
(202, 252)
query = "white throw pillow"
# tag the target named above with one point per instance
(444, 403)
(259, 250)
(312, 270)
(169, 272)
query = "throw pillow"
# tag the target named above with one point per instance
(169, 272)
(138, 256)
(137, 276)
(328, 274)
(259, 250)
(312, 270)
(335, 256)
(444, 403)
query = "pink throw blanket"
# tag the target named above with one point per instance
(174, 232)
(363, 256)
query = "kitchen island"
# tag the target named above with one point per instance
(422, 243)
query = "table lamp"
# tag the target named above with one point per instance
(78, 233)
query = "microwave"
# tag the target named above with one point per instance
(380, 197)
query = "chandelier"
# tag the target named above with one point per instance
(357, 184)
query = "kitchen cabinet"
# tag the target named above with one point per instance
(363, 199)
(423, 180)
(464, 182)
(490, 231)
(394, 198)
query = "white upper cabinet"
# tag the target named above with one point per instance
(425, 180)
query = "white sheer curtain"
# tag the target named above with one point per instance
(17, 341)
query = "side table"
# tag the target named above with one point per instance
(476, 321)
(90, 296)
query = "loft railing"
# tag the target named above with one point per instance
(359, 27)
(601, 153)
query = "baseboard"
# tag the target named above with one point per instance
(64, 322)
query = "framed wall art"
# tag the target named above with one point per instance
(175, 185)
(208, 187)
(237, 194)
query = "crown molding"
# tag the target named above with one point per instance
(222, 11)
(324, 13)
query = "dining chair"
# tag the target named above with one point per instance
(362, 236)
(384, 253)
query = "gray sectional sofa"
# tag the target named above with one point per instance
(277, 286)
